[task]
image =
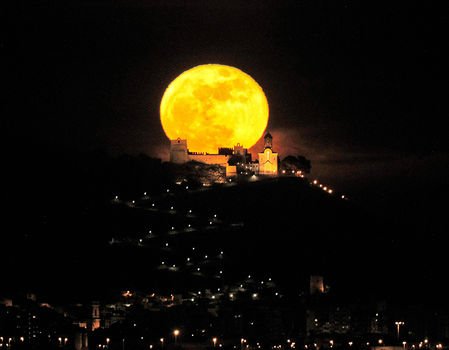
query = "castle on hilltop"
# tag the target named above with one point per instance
(231, 158)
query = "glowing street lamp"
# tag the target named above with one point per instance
(242, 341)
(176, 333)
(162, 342)
(214, 341)
(398, 327)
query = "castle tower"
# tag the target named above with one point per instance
(178, 151)
(96, 320)
(268, 160)
(239, 150)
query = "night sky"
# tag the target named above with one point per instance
(360, 88)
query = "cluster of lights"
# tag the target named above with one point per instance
(255, 295)
(204, 257)
(293, 172)
(8, 342)
(244, 343)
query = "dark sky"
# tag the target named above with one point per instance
(360, 88)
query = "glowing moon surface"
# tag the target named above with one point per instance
(214, 106)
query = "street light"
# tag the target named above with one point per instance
(162, 342)
(214, 340)
(242, 341)
(398, 327)
(176, 333)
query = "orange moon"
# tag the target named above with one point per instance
(214, 106)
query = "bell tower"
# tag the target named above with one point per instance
(268, 141)
(268, 160)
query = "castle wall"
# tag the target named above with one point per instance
(218, 159)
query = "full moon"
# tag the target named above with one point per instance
(214, 106)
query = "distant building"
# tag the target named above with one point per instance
(81, 341)
(227, 151)
(180, 154)
(254, 167)
(316, 285)
(241, 154)
(236, 160)
(178, 151)
(206, 158)
(268, 160)
(96, 320)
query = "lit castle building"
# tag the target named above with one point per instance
(267, 164)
